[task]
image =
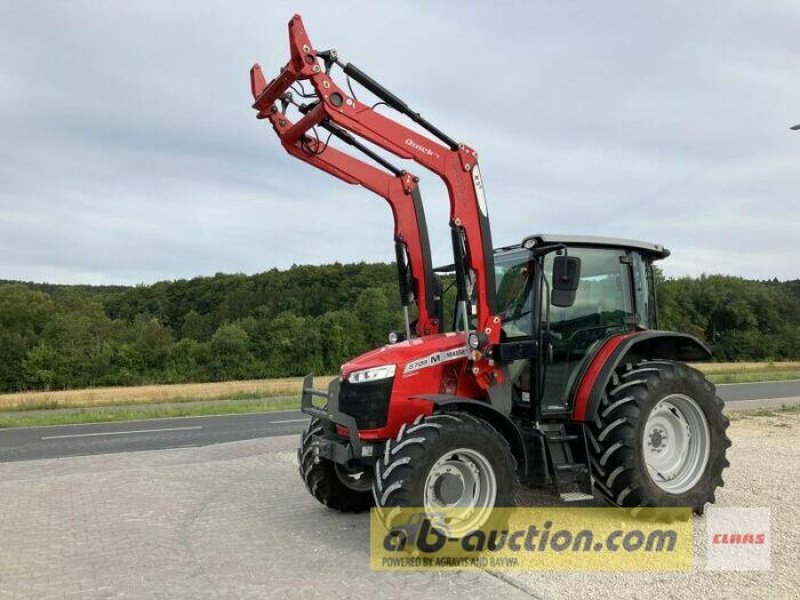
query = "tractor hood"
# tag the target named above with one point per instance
(411, 356)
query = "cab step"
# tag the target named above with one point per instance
(572, 468)
(563, 437)
(568, 457)
(576, 497)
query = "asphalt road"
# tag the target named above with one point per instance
(29, 443)
(758, 391)
(32, 443)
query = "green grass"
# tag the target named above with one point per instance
(754, 376)
(108, 414)
(41, 409)
(156, 394)
(56, 405)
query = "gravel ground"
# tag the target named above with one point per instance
(765, 460)
(232, 521)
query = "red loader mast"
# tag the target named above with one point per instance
(456, 164)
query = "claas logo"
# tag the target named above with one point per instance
(739, 538)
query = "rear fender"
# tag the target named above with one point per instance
(629, 347)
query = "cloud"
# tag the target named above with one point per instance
(130, 153)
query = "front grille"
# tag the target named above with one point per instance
(367, 403)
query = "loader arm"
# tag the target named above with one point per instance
(399, 189)
(456, 164)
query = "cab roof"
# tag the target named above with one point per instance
(542, 239)
(656, 251)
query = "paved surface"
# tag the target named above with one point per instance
(233, 521)
(152, 434)
(225, 521)
(155, 434)
(731, 392)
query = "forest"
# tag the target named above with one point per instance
(300, 320)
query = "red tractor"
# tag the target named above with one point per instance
(545, 367)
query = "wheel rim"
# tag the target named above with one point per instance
(463, 482)
(676, 443)
(355, 478)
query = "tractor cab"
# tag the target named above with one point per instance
(568, 294)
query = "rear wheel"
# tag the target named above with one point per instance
(659, 439)
(451, 461)
(346, 488)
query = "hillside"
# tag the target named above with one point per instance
(308, 318)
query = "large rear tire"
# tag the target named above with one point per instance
(660, 438)
(452, 461)
(336, 486)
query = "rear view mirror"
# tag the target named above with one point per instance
(566, 276)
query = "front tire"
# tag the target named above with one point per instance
(659, 439)
(451, 461)
(336, 486)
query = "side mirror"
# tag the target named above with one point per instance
(566, 276)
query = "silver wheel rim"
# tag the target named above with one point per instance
(676, 443)
(356, 479)
(464, 483)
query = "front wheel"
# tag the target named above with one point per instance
(660, 438)
(448, 461)
(346, 488)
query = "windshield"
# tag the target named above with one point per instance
(615, 284)
(514, 277)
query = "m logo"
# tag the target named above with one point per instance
(436, 358)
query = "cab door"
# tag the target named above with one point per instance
(604, 305)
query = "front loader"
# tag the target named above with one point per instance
(549, 370)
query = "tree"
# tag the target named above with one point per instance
(376, 316)
(79, 331)
(230, 354)
(197, 327)
(152, 341)
(305, 319)
(23, 316)
(287, 346)
(340, 339)
(188, 361)
(42, 364)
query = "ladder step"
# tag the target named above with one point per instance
(562, 438)
(572, 468)
(576, 497)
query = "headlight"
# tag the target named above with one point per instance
(396, 336)
(373, 374)
(474, 341)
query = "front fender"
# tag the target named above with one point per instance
(482, 410)
(666, 345)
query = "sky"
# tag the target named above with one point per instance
(129, 151)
